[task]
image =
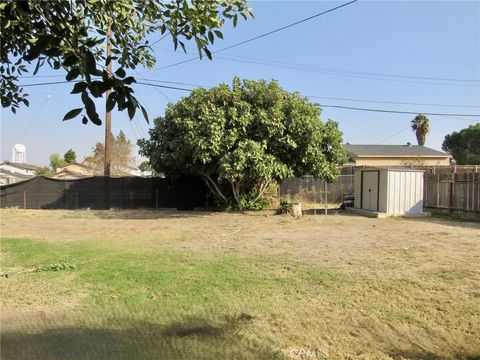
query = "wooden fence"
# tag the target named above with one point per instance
(458, 193)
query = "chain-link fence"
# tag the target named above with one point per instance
(318, 195)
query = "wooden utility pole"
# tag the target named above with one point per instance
(108, 117)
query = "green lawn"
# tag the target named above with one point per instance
(124, 301)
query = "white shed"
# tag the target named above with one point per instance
(389, 191)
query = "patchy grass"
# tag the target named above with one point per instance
(225, 286)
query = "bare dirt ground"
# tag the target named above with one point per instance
(341, 240)
(422, 273)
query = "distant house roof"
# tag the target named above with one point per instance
(21, 165)
(392, 150)
(73, 165)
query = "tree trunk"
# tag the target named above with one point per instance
(261, 189)
(236, 193)
(213, 187)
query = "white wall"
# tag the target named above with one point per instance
(405, 192)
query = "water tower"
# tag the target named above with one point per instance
(19, 154)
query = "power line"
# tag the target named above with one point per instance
(397, 111)
(156, 42)
(392, 136)
(263, 35)
(29, 126)
(165, 86)
(322, 105)
(391, 102)
(334, 70)
(47, 83)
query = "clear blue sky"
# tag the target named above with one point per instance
(408, 38)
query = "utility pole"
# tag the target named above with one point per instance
(108, 117)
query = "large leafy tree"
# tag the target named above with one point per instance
(71, 35)
(122, 155)
(241, 138)
(464, 145)
(421, 126)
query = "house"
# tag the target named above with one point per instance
(74, 171)
(12, 172)
(395, 155)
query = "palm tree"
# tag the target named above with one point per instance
(421, 127)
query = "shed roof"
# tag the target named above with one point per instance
(392, 150)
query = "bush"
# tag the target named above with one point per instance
(285, 206)
(64, 265)
(258, 205)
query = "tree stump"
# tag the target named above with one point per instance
(297, 209)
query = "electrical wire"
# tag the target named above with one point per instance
(322, 105)
(392, 136)
(397, 111)
(262, 35)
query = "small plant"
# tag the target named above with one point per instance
(64, 265)
(254, 205)
(285, 206)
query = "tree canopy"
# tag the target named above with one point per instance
(70, 156)
(464, 145)
(71, 35)
(241, 138)
(122, 155)
(421, 126)
(56, 161)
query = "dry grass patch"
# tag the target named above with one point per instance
(152, 285)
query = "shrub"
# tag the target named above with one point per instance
(285, 206)
(64, 265)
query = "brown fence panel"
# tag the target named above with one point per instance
(457, 192)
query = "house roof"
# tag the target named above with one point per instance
(75, 164)
(21, 165)
(69, 173)
(392, 151)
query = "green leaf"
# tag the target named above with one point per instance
(90, 61)
(37, 67)
(131, 110)
(111, 101)
(36, 49)
(70, 60)
(72, 113)
(129, 80)
(120, 72)
(219, 34)
(90, 108)
(145, 115)
(211, 37)
(208, 53)
(79, 87)
(72, 74)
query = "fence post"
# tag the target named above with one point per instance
(326, 198)
(76, 200)
(450, 192)
(438, 190)
(156, 198)
(25, 200)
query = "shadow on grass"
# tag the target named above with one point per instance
(414, 355)
(146, 214)
(450, 221)
(192, 338)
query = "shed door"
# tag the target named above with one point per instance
(370, 190)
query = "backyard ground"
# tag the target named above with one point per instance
(153, 285)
